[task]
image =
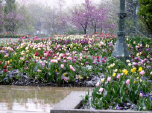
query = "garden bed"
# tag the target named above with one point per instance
(24, 80)
(81, 61)
(73, 105)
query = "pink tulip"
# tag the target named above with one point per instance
(69, 58)
(141, 95)
(128, 81)
(101, 90)
(142, 72)
(151, 73)
(118, 76)
(26, 67)
(109, 79)
(97, 84)
(45, 54)
(71, 67)
(62, 65)
(21, 58)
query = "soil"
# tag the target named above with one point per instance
(24, 80)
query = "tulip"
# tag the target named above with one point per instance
(101, 90)
(141, 95)
(118, 76)
(97, 84)
(21, 58)
(133, 70)
(114, 74)
(109, 79)
(26, 67)
(5, 70)
(71, 67)
(125, 71)
(140, 69)
(128, 81)
(102, 80)
(69, 58)
(5, 67)
(142, 72)
(62, 65)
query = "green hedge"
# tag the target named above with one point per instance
(11, 36)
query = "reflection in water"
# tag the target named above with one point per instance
(29, 98)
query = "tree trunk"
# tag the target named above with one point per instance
(101, 30)
(85, 31)
(95, 30)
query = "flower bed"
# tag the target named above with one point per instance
(61, 60)
(82, 60)
(125, 87)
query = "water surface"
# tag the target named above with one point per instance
(32, 99)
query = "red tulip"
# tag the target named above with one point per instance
(105, 58)
(86, 56)
(5, 67)
(97, 57)
(103, 61)
(5, 70)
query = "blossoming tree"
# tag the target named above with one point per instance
(90, 16)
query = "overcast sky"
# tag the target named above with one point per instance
(53, 2)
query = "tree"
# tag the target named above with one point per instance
(26, 25)
(82, 17)
(91, 16)
(11, 18)
(112, 14)
(99, 19)
(1, 17)
(145, 11)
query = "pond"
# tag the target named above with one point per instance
(32, 99)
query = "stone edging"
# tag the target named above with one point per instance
(72, 102)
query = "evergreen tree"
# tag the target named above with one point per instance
(145, 11)
(1, 16)
(10, 16)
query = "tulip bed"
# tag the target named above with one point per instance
(125, 87)
(58, 60)
(74, 59)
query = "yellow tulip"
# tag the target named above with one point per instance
(114, 74)
(125, 71)
(140, 69)
(133, 70)
(102, 80)
(10, 60)
(116, 70)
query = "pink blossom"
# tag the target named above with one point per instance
(128, 81)
(26, 68)
(142, 72)
(62, 65)
(69, 58)
(151, 73)
(118, 76)
(66, 79)
(141, 95)
(109, 79)
(21, 58)
(71, 67)
(54, 61)
(45, 54)
(97, 84)
(140, 63)
(101, 90)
